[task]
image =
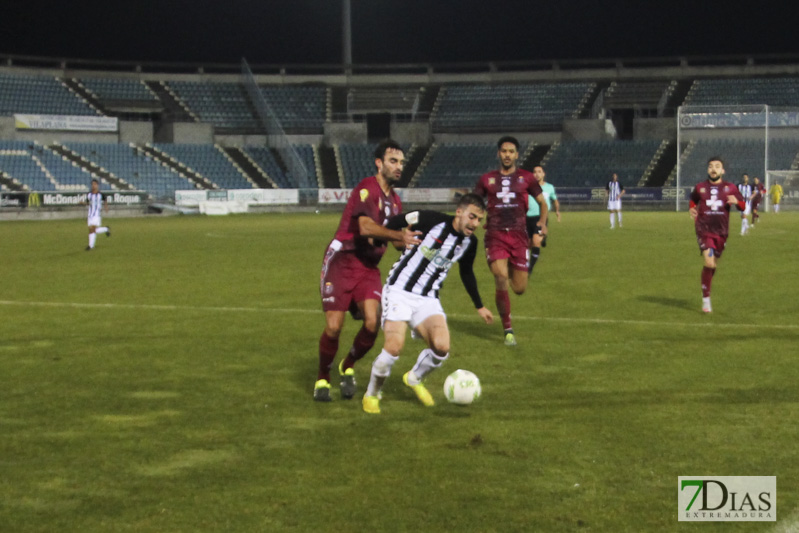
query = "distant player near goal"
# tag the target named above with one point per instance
(350, 278)
(410, 295)
(776, 196)
(506, 191)
(95, 201)
(614, 190)
(758, 192)
(710, 205)
(745, 188)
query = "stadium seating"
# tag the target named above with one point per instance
(208, 161)
(634, 94)
(382, 99)
(265, 159)
(541, 106)
(118, 89)
(780, 91)
(356, 162)
(457, 164)
(127, 163)
(39, 169)
(300, 109)
(39, 95)
(224, 105)
(740, 157)
(591, 163)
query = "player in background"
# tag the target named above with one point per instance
(776, 196)
(350, 279)
(614, 190)
(96, 202)
(537, 241)
(758, 192)
(410, 295)
(710, 205)
(506, 191)
(745, 188)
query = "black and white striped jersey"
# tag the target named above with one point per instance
(745, 190)
(614, 189)
(95, 201)
(423, 268)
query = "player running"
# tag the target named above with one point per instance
(506, 191)
(710, 205)
(537, 241)
(410, 295)
(758, 192)
(745, 188)
(96, 202)
(350, 279)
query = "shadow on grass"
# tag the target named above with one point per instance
(475, 328)
(679, 303)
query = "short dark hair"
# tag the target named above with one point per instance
(384, 146)
(508, 139)
(717, 158)
(94, 180)
(472, 199)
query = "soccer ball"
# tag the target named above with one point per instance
(462, 387)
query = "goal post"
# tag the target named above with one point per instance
(788, 183)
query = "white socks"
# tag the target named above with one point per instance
(92, 239)
(425, 363)
(618, 215)
(744, 226)
(612, 221)
(381, 369)
(101, 230)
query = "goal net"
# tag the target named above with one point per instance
(760, 141)
(783, 188)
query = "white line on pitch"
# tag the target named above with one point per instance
(160, 307)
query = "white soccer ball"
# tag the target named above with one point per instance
(462, 387)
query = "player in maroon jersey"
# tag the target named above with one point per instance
(350, 279)
(758, 192)
(710, 206)
(506, 236)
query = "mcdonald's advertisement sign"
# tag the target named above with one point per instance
(66, 199)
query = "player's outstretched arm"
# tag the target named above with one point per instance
(486, 315)
(542, 221)
(370, 228)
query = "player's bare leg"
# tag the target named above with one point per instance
(708, 271)
(435, 332)
(362, 343)
(92, 237)
(499, 269)
(394, 333)
(328, 346)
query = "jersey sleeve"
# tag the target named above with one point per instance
(365, 204)
(466, 270)
(553, 195)
(480, 188)
(695, 198)
(420, 220)
(533, 188)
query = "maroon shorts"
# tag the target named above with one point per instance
(510, 245)
(346, 281)
(755, 203)
(709, 241)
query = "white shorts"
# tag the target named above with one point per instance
(748, 209)
(403, 306)
(95, 221)
(614, 205)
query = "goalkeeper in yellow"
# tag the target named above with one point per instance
(776, 196)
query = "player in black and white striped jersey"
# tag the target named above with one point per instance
(745, 188)
(95, 202)
(410, 294)
(614, 190)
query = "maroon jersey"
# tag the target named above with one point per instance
(366, 199)
(507, 198)
(713, 211)
(759, 191)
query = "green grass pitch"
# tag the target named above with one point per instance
(162, 383)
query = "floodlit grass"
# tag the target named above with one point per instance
(163, 383)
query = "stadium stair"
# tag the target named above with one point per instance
(251, 108)
(199, 181)
(590, 98)
(255, 173)
(535, 156)
(91, 167)
(175, 110)
(677, 95)
(658, 174)
(10, 183)
(428, 99)
(419, 170)
(415, 158)
(75, 86)
(330, 174)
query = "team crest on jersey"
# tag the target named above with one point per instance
(505, 182)
(521, 179)
(491, 181)
(702, 190)
(364, 195)
(328, 288)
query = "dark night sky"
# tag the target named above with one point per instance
(391, 31)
